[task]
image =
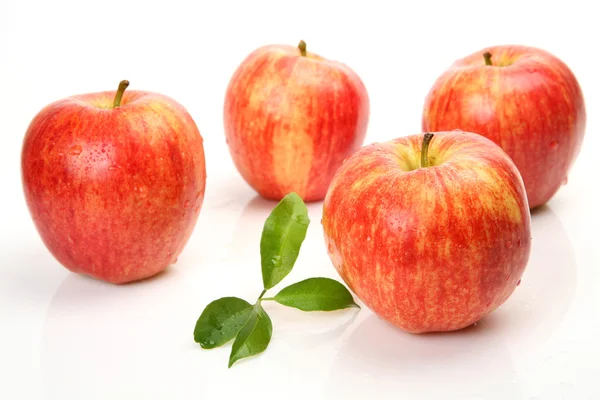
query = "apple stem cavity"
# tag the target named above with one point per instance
(302, 48)
(425, 148)
(119, 95)
(487, 56)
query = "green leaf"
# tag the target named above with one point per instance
(254, 337)
(316, 294)
(220, 321)
(283, 234)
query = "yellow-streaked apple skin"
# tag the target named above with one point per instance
(290, 120)
(115, 193)
(435, 248)
(528, 102)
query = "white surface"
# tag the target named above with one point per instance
(64, 336)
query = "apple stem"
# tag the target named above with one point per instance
(425, 148)
(487, 56)
(302, 48)
(119, 95)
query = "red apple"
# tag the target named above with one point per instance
(429, 240)
(526, 100)
(291, 117)
(114, 188)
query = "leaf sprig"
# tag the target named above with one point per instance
(233, 318)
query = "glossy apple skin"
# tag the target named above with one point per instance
(429, 249)
(528, 102)
(114, 193)
(291, 120)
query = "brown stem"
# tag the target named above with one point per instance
(487, 56)
(119, 95)
(424, 149)
(302, 48)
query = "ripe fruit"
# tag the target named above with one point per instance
(431, 237)
(525, 100)
(291, 117)
(114, 189)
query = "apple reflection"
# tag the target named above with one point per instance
(478, 361)
(102, 341)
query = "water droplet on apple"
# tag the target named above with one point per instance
(142, 190)
(489, 304)
(519, 243)
(75, 150)
(113, 167)
(457, 131)
(329, 248)
(369, 239)
(553, 144)
(61, 154)
(565, 181)
(186, 204)
(518, 283)
(509, 244)
(507, 277)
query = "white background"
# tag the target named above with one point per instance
(64, 336)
